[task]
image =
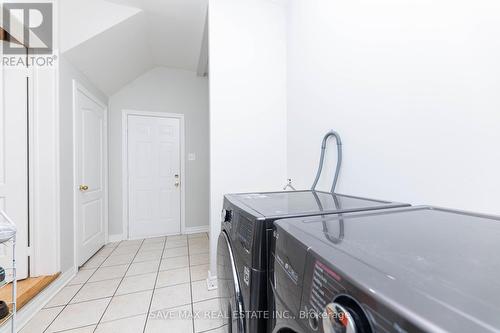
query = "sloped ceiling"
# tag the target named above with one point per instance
(82, 20)
(139, 35)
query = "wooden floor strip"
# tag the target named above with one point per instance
(27, 289)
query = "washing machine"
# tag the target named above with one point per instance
(407, 270)
(243, 246)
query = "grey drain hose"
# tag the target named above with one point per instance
(322, 160)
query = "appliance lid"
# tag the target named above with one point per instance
(303, 203)
(446, 256)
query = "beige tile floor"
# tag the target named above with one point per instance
(151, 285)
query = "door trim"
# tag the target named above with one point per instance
(77, 86)
(44, 176)
(125, 114)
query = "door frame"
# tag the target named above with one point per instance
(125, 190)
(43, 166)
(26, 241)
(43, 170)
(77, 86)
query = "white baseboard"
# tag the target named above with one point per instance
(24, 315)
(187, 231)
(196, 230)
(115, 238)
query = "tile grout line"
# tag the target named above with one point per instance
(67, 304)
(190, 285)
(212, 329)
(209, 299)
(154, 287)
(111, 321)
(106, 257)
(70, 329)
(122, 318)
(101, 298)
(119, 284)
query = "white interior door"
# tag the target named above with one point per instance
(14, 161)
(91, 183)
(154, 192)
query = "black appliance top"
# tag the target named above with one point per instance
(436, 263)
(303, 203)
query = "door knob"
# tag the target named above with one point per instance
(177, 183)
(84, 187)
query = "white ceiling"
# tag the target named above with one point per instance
(82, 20)
(115, 41)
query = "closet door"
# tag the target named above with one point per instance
(14, 160)
(154, 164)
(91, 160)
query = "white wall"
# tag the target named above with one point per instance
(412, 86)
(247, 41)
(173, 91)
(68, 73)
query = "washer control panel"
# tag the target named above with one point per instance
(325, 285)
(334, 304)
